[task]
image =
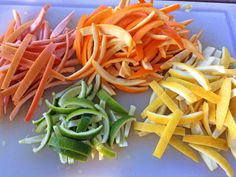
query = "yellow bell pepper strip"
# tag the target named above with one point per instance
(230, 123)
(205, 109)
(164, 119)
(202, 80)
(232, 144)
(223, 105)
(212, 113)
(156, 103)
(226, 58)
(216, 157)
(175, 142)
(209, 141)
(156, 128)
(167, 134)
(197, 90)
(181, 90)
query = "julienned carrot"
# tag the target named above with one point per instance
(9, 30)
(131, 89)
(40, 90)
(78, 40)
(15, 61)
(96, 11)
(39, 63)
(10, 90)
(170, 8)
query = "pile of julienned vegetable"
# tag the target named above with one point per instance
(33, 57)
(131, 45)
(197, 102)
(82, 119)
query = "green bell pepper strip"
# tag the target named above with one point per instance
(81, 135)
(83, 123)
(89, 90)
(95, 88)
(70, 145)
(78, 102)
(63, 158)
(48, 133)
(116, 126)
(106, 124)
(83, 90)
(32, 140)
(43, 124)
(111, 103)
(103, 149)
(59, 109)
(60, 94)
(84, 111)
(70, 154)
(73, 92)
(132, 110)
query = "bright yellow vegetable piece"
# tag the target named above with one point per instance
(226, 58)
(212, 113)
(155, 128)
(205, 109)
(216, 157)
(230, 123)
(197, 90)
(209, 141)
(199, 76)
(223, 105)
(164, 119)
(164, 96)
(155, 104)
(167, 134)
(183, 91)
(232, 144)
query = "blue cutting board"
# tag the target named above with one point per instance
(219, 24)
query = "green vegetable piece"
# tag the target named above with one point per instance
(111, 103)
(66, 153)
(43, 124)
(48, 133)
(96, 88)
(116, 126)
(70, 145)
(89, 90)
(60, 109)
(83, 90)
(32, 140)
(81, 135)
(83, 123)
(60, 94)
(103, 149)
(78, 102)
(84, 111)
(73, 92)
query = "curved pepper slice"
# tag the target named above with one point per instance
(81, 135)
(78, 102)
(59, 109)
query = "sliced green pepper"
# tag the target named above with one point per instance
(116, 126)
(81, 135)
(78, 102)
(84, 111)
(60, 94)
(43, 124)
(83, 123)
(73, 92)
(70, 145)
(59, 109)
(48, 133)
(83, 90)
(95, 88)
(103, 149)
(89, 90)
(32, 140)
(111, 103)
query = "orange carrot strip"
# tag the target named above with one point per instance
(15, 61)
(134, 23)
(19, 31)
(96, 11)
(145, 29)
(31, 94)
(98, 17)
(143, 72)
(57, 75)
(131, 89)
(170, 8)
(40, 90)
(106, 86)
(9, 30)
(1, 106)
(6, 100)
(10, 90)
(35, 69)
(78, 36)
(175, 24)
(84, 50)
